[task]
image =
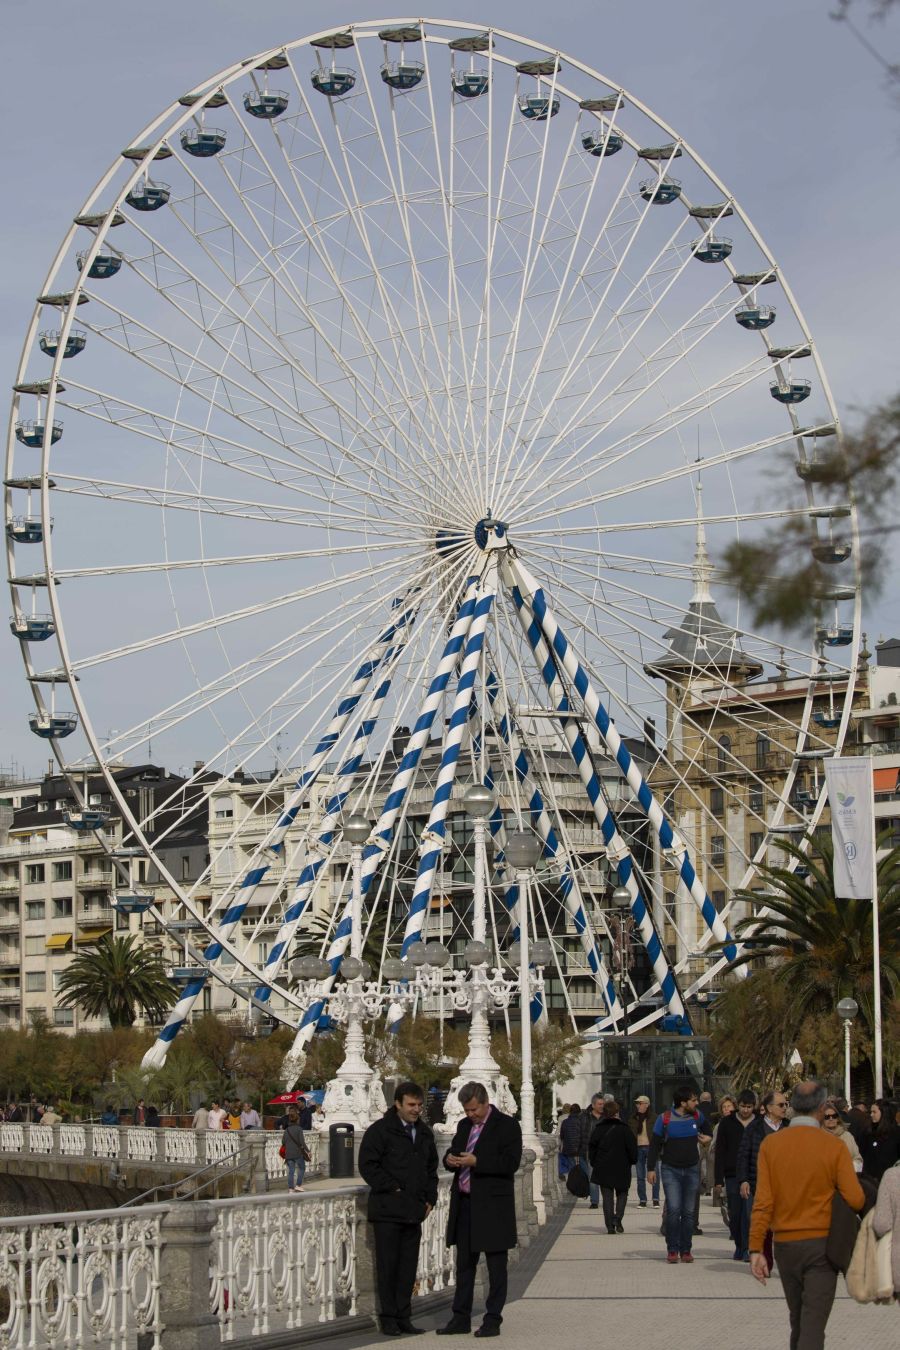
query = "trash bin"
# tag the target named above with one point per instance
(340, 1150)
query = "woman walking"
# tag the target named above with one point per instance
(294, 1145)
(613, 1151)
(880, 1143)
(886, 1218)
(569, 1134)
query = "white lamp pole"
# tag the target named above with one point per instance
(354, 1092)
(846, 1011)
(523, 850)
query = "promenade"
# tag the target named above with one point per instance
(619, 1288)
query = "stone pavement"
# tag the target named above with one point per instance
(592, 1285)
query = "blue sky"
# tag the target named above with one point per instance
(783, 104)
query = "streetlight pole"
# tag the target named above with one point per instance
(479, 1064)
(354, 1091)
(846, 1011)
(523, 850)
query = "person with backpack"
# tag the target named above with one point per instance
(675, 1145)
(613, 1152)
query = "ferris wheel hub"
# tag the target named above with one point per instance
(491, 534)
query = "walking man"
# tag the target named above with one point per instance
(484, 1157)
(773, 1119)
(642, 1121)
(676, 1140)
(729, 1136)
(798, 1171)
(586, 1123)
(398, 1160)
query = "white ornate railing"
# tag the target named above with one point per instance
(284, 1264)
(139, 1144)
(80, 1280)
(437, 1261)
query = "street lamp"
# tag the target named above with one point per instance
(621, 901)
(523, 848)
(846, 1011)
(354, 1091)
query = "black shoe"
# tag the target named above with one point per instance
(389, 1328)
(698, 1231)
(488, 1329)
(455, 1327)
(407, 1328)
(656, 1204)
(611, 1231)
(619, 1228)
(642, 1204)
(595, 1206)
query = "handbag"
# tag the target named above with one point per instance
(577, 1183)
(869, 1275)
(282, 1152)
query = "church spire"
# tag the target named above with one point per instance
(702, 568)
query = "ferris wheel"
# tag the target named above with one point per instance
(383, 413)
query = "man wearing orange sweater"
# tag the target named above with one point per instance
(798, 1172)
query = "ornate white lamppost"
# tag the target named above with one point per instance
(479, 1064)
(355, 1094)
(846, 1011)
(523, 850)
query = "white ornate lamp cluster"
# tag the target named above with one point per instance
(355, 1094)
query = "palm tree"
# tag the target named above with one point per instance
(818, 947)
(118, 978)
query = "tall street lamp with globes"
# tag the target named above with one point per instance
(523, 848)
(846, 1011)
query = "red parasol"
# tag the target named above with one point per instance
(286, 1099)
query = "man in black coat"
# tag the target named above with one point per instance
(398, 1160)
(484, 1157)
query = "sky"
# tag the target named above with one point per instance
(780, 100)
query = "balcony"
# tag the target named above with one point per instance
(95, 880)
(9, 885)
(96, 916)
(10, 993)
(10, 959)
(9, 920)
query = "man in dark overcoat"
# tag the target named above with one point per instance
(398, 1159)
(484, 1157)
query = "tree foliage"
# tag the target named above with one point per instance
(776, 574)
(117, 977)
(554, 1052)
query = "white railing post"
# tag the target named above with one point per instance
(185, 1262)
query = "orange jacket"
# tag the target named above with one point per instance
(798, 1171)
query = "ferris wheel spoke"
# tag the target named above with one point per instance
(237, 677)
(670, 523)
(214, 315)
(174, 362)
(680, 353)
(234, 456)
(236, 559)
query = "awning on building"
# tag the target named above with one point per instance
(886, 780)
(58, 942)
(92, 935)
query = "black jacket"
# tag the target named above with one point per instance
(492, 1199)
(879, 1151)
(402, 1174)
(748, 1149)
(569, 1135)
(729, 1137)
(613, 1150)
(586, 1122)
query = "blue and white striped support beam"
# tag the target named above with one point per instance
(433, 836)
(374, 852)
(383, 649)
(616, 848)
(568, 884)
(673, 846)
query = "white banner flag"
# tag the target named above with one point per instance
(851, 796)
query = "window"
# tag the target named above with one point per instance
(64, 1017)
(62, 871)
(34, 946)
(43, 806)
(756, 800)
(55, 979)
(35, 982)
(185, 867)
(34, 874)
(717, 801)
(718, 899)
(35, 909)
(62, 908)
(224, 813)
(756, 841)
(717, 847)
(763, 747)
(724, 754)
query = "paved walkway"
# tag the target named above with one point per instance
(592, 1285)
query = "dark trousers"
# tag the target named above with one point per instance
(613, 1205)
(809, 1281)
(738, 1215)
(396, 1262)
(680, 1185)
(467, 1265)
